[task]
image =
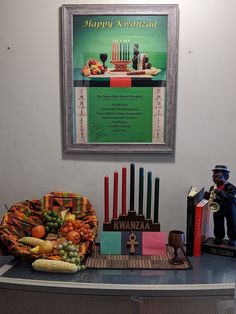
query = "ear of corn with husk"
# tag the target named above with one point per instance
(54, 266)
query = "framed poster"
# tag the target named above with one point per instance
(119, 78)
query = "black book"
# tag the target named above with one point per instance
(219, 249)
(194, 197)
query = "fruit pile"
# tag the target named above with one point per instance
(60, 236)
(58, 231)
(93, 67)
(53, 221)
(76, 231)
(68, 253)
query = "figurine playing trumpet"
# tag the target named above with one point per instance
(222, 202)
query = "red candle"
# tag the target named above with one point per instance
(115, 194)
(123, 191)
(118, 51)
(106, 199)
(113, 50)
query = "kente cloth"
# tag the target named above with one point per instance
(20, 218)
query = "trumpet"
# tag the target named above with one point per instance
(212, 205)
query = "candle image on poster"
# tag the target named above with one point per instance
(119, 75)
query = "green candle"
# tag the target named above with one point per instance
(149, 194)
(140, 203)
(156, 200)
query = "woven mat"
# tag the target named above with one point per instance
(137, 261)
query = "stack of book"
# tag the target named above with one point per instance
(197, 233)
(197, 221)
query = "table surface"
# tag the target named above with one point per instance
(209, 273)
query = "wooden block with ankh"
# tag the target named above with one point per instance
(131, 242)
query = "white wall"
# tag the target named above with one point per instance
(31, 159)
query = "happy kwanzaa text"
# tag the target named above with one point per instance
(119, 23)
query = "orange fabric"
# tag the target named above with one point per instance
(120, 82)
(19, 220)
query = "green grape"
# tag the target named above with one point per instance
(60, 247)
(70, 248)
(71, 254)
(48, 218)
(61, 252)
(73, 249)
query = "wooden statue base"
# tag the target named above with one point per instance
(209, 246)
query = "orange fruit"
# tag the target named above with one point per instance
(38, 231)
(73, 236)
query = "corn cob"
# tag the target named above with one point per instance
(54, 266)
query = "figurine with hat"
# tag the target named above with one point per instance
(225, 196)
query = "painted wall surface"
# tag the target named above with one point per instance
(32, 162)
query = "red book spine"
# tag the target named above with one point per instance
(198, 228)
(197, 232)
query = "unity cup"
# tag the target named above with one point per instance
(176, 240)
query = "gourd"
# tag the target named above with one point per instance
(54, 266)
(45, 246)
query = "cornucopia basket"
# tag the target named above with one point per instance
(60, 215)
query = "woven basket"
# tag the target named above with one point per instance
(18, 221)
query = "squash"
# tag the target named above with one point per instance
(45, 246)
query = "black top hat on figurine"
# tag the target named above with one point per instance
(220, 168)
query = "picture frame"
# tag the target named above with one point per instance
(119, 74)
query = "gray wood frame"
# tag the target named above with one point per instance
(68, 11)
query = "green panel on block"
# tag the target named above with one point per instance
(110, 242)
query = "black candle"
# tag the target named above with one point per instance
(131, 187)
(140, 203)
(156, 200)
(149, 194)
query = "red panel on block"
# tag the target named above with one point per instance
(154, 243)
(120, 82)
